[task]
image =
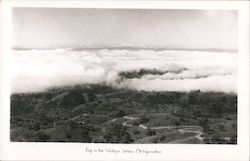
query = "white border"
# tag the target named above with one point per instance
(76, 151)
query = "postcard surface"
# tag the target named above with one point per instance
(128, 83)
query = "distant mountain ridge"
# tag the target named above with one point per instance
(128, 48)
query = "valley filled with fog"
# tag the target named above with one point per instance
(159, 70)
(124, 96)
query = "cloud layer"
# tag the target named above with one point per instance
(40, 70)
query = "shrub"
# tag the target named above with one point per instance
(41, 137)
(150, 132)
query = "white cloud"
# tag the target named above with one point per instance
(218, 83)
(39, 70)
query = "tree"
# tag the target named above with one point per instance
(217, 139)
(204, 124)
(117, 134)
(85, 136)
(150, 132)
(221, 127)
(91, 96)
(20, 104)
(72, 99)
(117, 113)
(41, 137)
(127, 138)
(193, 97)
(233, 139)
(176, 122)
(162, 138)
(216, 109)
(143, 119)
(72, 125)
(135, 131)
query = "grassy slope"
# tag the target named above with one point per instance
(85, 114)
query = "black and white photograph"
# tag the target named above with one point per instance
(124, 76)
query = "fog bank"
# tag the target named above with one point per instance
(40, 70)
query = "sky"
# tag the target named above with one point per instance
(110, 28)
